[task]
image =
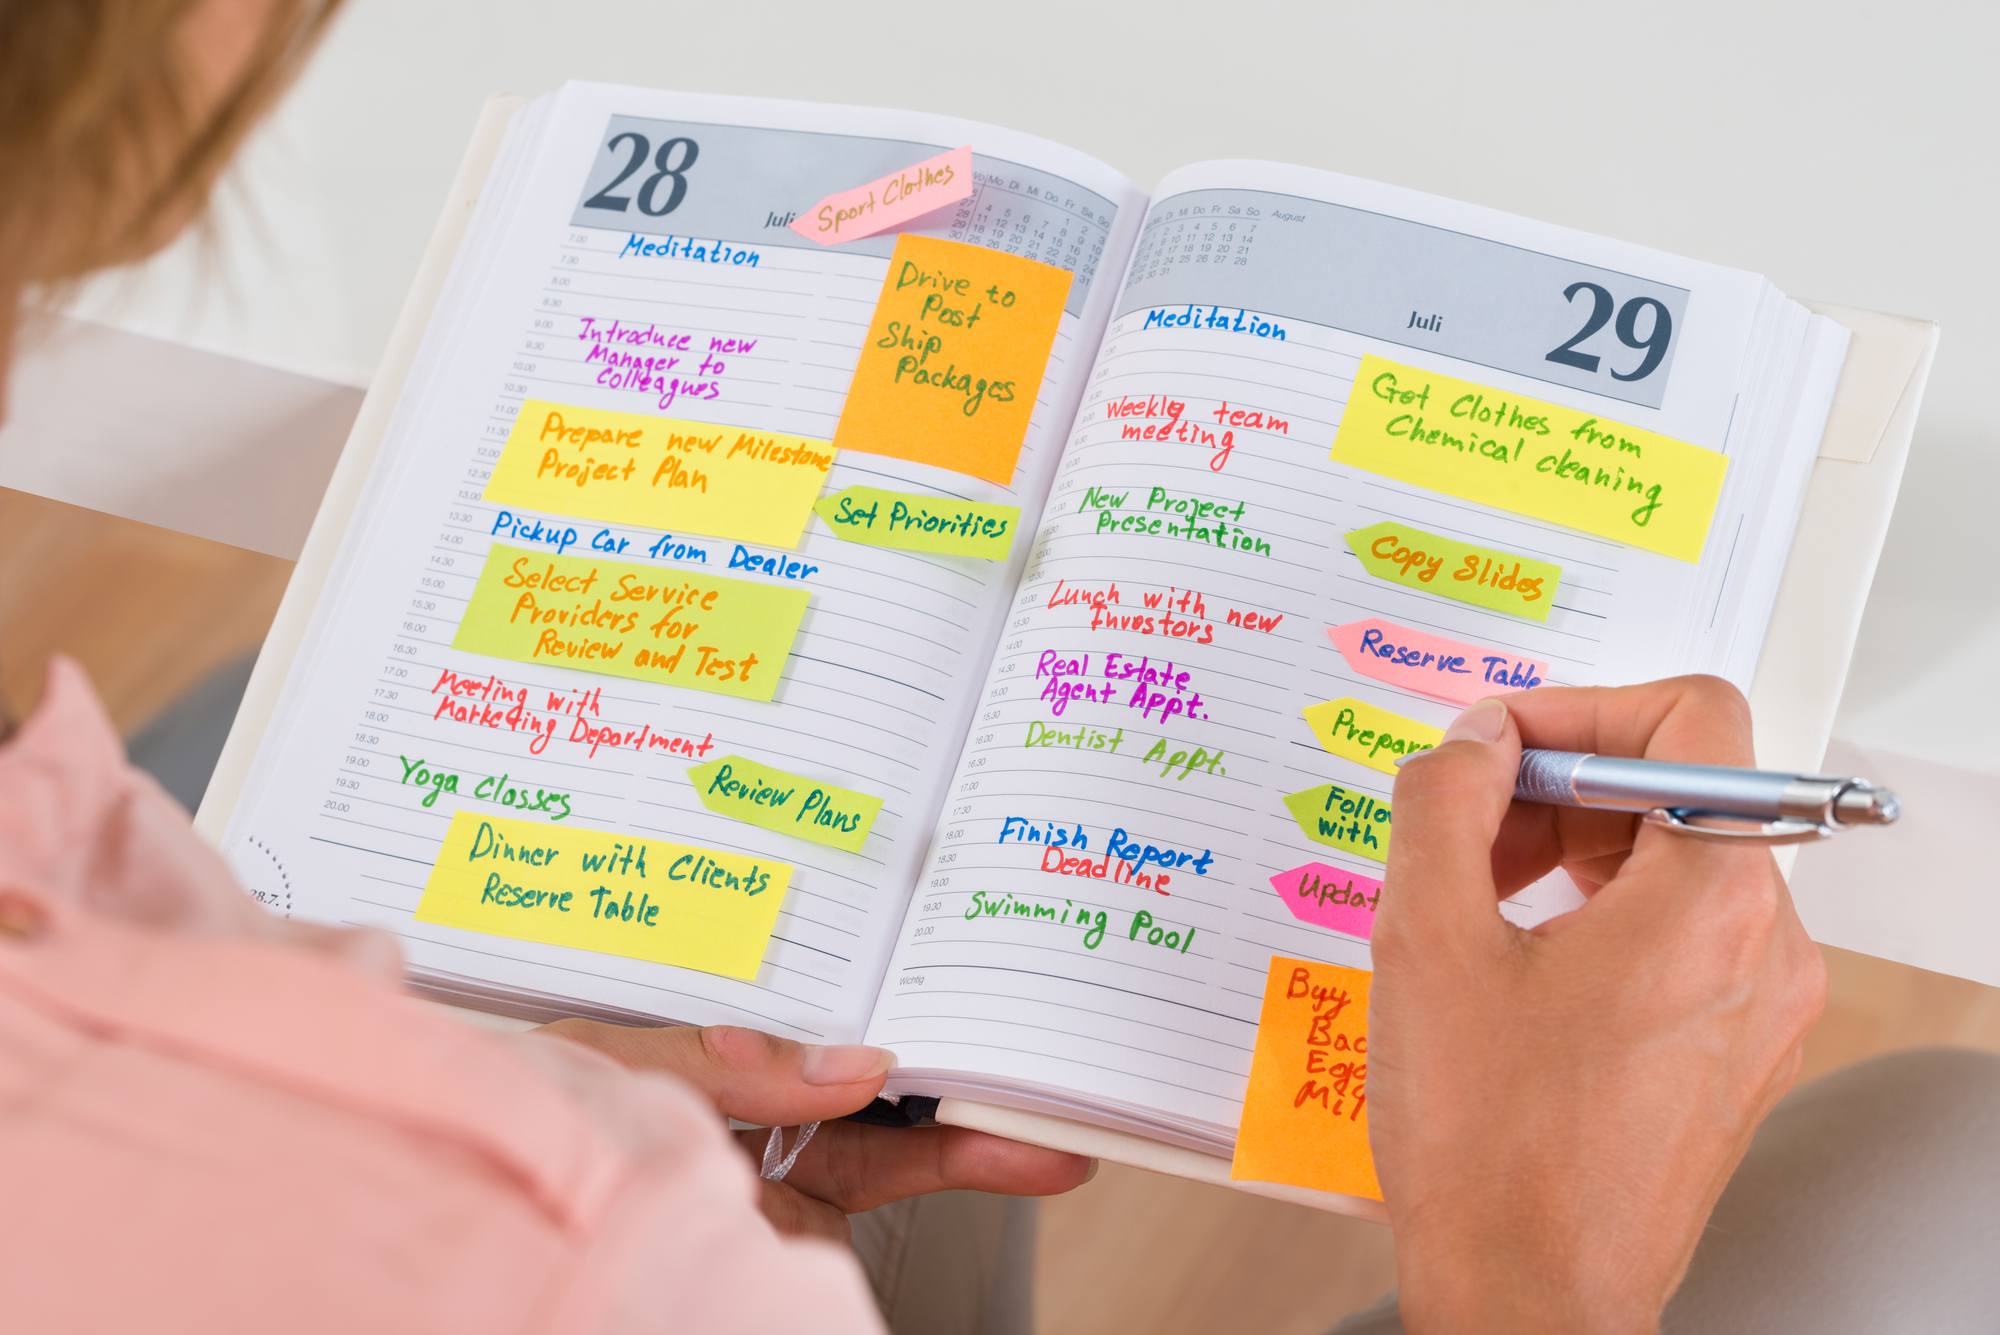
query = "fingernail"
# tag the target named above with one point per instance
(1484, 722)
(1095, 1164)
(844, 1063)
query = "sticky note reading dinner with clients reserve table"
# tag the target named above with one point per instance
(644, 898)
(1534, 458)
(1305, 1114)
(954, 357)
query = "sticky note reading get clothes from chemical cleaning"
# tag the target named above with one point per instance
(920, 523)
(1449, 568)
(1373, 737)
(660, 472)
(771, 799)
(1329, 897)
(890, 202)
(1342, 818)
(954, 357)
(1534, 458)
(646, 898)
(1418, 661)
(701, 631)
(1305, 1114)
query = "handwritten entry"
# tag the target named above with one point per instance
(1328, 896)
(1369, 736)
(912, 523)
(1431, 664)
(772, 799)
(1305, 1114)
(1342, 818)
(1464, 571)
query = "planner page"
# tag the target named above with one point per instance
(1176, 770)
(632, 257)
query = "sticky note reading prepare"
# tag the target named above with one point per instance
(889, 202)
(1534, 458)
(1329, 897)
(660, 472)
(920, 523)
(774, 800)
(1305, 1114)
(1342, 818)
(645, 898)
(704, 632)
(1415, 559)
(1374, 737)
(954, 357)
(1432, 664)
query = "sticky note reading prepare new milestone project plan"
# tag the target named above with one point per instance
(1305, 1113)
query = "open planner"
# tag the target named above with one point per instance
(1311, 463)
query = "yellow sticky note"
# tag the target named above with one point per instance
(1534, 458)
(1375, 737)
(660, 472)
(707, 633)
(1465, 571)
(773, 799)
(1305, 1115)
(954, 357)
(646, 898)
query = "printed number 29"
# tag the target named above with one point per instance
(604, 199)
(1655, 342)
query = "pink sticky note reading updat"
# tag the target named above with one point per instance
(1432, 664)
(1329, 897)
(889, 202)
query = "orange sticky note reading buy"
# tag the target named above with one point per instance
(1305, 1115)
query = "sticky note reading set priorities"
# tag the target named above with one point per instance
(1305, 1113)
(645, 898)
(707, 633)
(1370, 736)
(920, 523)
(1415, 559)
(954, 357)
(1534, 458)
(1419, 661)
(771, 799)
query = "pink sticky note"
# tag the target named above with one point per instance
(889, 202)
(1448, 669)
(1329, 897)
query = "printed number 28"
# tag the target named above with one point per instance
(648, 204)
(1655, 342)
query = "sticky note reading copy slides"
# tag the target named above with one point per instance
(889, 202)
(1374, 737)
(954, 357)
(1305, 1114)
(1453, 569)
(1329, 897)
(920, 523)
(1534, 458)
(1417, 661)
(660, 472)
(704, 632)
(1342, 818)
(646, 898)
(771, 799)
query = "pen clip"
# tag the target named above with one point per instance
(1737, 829)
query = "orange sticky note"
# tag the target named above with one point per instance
(1305, 1115)
(954, 357)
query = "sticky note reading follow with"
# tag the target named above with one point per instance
(1305, 1113)
(1342, 818)
(643, 898)
(1373, 737)
(954, 357)
(1326, 896)
(1463, 571)
(704, 632)
(920, 523)
(771, 799)
(1419, 661)
(1534, 458)
(660, 472)
(890, 202)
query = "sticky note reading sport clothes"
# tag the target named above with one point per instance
(1305, 1113)
(704, 632)
(954, 357)
(1328, 896)
(771, 799)
(660, 472)
(645, 898)
(1419, 661)
(1373, 737)
(1531, 457)
(1463, 571)
(914, 523)
(890, 202)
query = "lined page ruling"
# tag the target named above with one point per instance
(632, 258)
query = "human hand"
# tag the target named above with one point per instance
(847, 1167)
(1553, 1112)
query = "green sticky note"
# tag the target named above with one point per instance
(1449, 568)
(920, 523)
(772, 799)
(1342, 818)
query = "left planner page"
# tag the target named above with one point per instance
(520, 672)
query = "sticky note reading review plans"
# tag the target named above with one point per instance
(646, 898)
(774, 800)
(1418, 661)
(920, 523)
(1534, 458)
(1453, 569)
(891, 201)
(1305, 1113)
(660, 472)
(954, 357)
(1342, 818)
(704, 632)
(1329, 897)
(1374, 737)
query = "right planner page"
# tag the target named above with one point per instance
(1569, 461)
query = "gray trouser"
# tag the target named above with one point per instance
(1868, 1202)
(952, 1263)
